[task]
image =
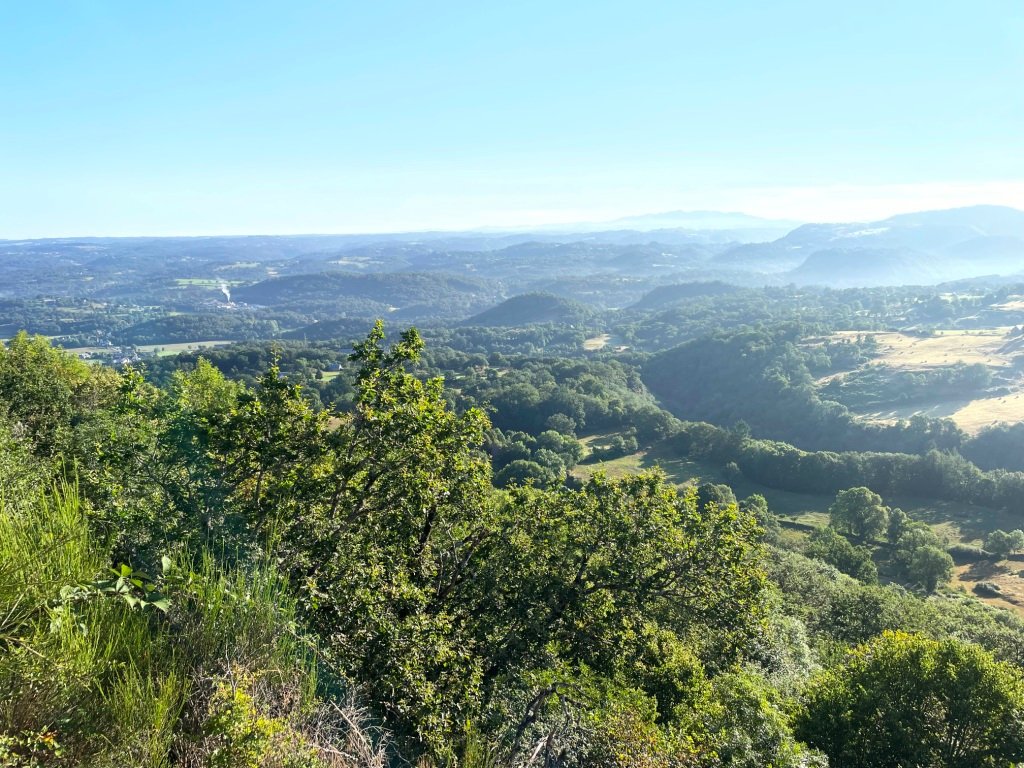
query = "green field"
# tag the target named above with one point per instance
(683, 471)
(959, 522)
(165, 350)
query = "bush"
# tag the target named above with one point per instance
(967, 553)
(988, 589)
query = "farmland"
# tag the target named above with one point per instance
(901, 350)
(164, 350)
(997, 349)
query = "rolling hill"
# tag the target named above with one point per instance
(926, 247)
(532, 309)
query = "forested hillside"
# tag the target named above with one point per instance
(225, 572)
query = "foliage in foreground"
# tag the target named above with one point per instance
(906, 700)
(273, 564)
(212, 674)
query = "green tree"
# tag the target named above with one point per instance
(587, 569)
(859, 512)
(898, 522)
(825, 544)
(930, 566)
(915, 536)
(1002, 543)
(524, 472)
(441, 595)
(904, 700)
(714, 493)
(271, 451)
(757, 506)
(750, 727)
(48, 392)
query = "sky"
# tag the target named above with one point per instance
(212, 117)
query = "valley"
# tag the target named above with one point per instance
(694, 406)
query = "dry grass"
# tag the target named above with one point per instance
(985, 412)
(605, 341)
(971, 415)
(945, 348)
(1005, 574)
(987, 346)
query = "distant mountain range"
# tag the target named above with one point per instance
(666, 227)
(918, 248)
(454, 275)
(698, 220)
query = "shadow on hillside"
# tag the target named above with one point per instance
(983, 570)
(974, 523)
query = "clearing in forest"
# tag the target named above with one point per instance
(597, 342)
(604, 341)
(971, 415)
(1005, 575)
(163, 350)
(992, 347)
(988, 346)
(988, 411)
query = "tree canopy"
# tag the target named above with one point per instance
(903, 699)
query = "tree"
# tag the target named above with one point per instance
(905, 700)
(750, 727)
(915, 535)
(825, 544)
(525, 472)
(757, 506)
(859, 512)
(898, 522)
(46, 391)
(714, 493)
(1002, 543)
(930, 566)
(441, 595)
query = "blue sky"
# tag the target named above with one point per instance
(145, 117)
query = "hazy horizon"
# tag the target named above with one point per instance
(559, 226)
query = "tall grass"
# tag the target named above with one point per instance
(98, 682)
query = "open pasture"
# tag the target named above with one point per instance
(988, 411)
(164, 350)
(1014, 304)
(1007, 575)
(606, 341)
(971, 415)
(947, 347)
(990, 347)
